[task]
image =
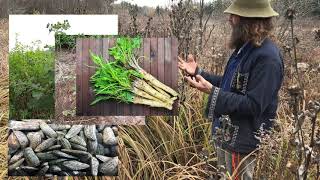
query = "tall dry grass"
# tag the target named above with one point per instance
(180, 147)
(169, 147)
(4, 96)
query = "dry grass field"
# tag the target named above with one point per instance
(180, 147)
(4, 95)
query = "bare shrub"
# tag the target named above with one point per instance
(60, 6)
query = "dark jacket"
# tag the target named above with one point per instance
(252, 101)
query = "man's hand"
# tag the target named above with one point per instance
(189, 66)
(200, 83)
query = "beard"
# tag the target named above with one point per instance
(237, 37)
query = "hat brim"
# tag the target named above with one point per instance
(251, 12)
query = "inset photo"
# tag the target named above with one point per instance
(32, 58)
(39, 148)
(126, 76)
(43, 66)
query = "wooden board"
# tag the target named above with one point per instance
(160, 61)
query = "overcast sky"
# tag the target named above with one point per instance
(154, 3)
(31, 28)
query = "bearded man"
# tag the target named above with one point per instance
(243, 102)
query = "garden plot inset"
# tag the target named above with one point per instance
(159, 58)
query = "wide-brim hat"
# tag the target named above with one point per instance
(251, 8)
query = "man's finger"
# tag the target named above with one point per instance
(181, 66)
(191, 81)
(200, 79)
(181, 60)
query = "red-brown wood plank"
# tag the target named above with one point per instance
(91, 109)
(145, 64)
(98, 47)
(85, 80)
(95, 49)
(174, 77)
(154, 66)
(126, 109)
(92, 48)
(78, 77)
(88, 59)
(161, 71)
(167, 65)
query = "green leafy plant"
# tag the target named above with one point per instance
(123, 52)
(124, 80)
(62, 40)
(31, 83)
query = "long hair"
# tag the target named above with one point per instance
(254, 30)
